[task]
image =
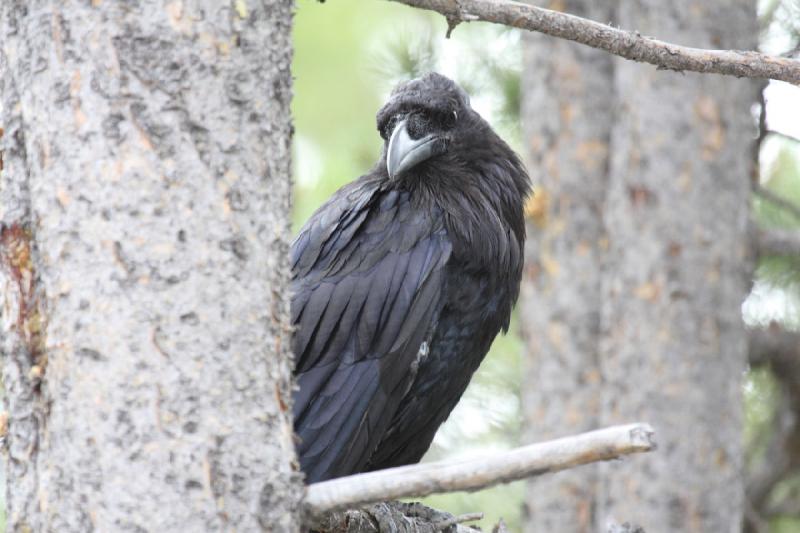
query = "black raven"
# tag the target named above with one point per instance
(401, 281)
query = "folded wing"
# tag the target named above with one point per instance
(366, 293)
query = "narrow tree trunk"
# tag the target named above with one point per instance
(677, 272)
(567, 116)
(144, 207)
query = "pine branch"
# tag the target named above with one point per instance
(627, 44)
(777, 242)
(473, 474)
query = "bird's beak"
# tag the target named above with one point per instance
(404, 152)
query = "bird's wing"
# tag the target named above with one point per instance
(367, 290)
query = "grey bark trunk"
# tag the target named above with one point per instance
(144, 207)
(657, 315)
(568, 113)
(678, 270)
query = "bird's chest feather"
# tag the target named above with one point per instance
(475, 310)
(477, 307)
(481, 285)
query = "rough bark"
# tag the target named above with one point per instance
(630, 44)
(394, 517)
(567, 116)
(144, 212)
(677, 272)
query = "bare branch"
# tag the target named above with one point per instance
(782, 135)
(781, 202)
(777, 242)
(628, 44)
(473, 474)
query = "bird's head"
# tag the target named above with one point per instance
(425, 119)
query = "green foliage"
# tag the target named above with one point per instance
(761, 395)
(776, 295)
(786, 493)
(335, 94)
(780, 173)
(408, 56)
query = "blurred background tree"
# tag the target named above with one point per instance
(634, 288)
(341, 82)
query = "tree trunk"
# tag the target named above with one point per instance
(637, 274)
(567, 118)
(673, 345)
(144, 207)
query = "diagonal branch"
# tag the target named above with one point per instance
(473, 474)
(782, 135)
(627, 44)
(778, 200)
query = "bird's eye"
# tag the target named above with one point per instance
(449, 120)
(387, 128)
